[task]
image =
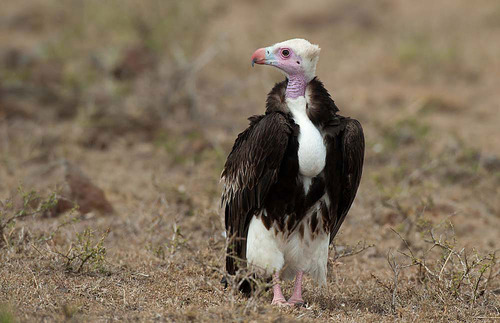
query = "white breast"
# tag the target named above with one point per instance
(312, 150)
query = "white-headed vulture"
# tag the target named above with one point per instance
(291, 176)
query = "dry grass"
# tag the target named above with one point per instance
(147, 98)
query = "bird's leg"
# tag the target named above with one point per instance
(296, 298)
(278, 298)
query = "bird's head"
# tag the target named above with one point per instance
(292, 57)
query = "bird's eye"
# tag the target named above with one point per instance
(285, 52)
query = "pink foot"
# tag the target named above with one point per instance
(280, 302)
(296, 299)
(278, 298)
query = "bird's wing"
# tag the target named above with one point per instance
(346, 155)
(251, 169)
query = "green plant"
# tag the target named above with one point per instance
(171, 246)
(6, 315)
(158, 250)
(86, 250)
(31, 204)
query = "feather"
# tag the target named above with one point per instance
(261, 175)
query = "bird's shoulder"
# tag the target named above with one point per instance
(260, 146)
(265, 129)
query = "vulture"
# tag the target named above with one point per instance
(291, 176)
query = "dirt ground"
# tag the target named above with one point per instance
(146, 98)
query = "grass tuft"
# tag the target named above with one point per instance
(86, 251)
(6, 315)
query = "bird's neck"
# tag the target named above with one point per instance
(296, 86)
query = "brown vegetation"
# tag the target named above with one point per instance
(146, 99)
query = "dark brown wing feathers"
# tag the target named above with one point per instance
(352, 147)
(251, 169)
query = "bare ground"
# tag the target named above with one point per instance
(147, 97)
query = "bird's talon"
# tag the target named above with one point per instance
(296, 302)
(299, 304)
(280, 302)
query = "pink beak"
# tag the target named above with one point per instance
(259, 56)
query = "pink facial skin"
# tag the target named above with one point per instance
(287, 61)
(291, 64)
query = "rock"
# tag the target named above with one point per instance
(84, 192)
(73, 188)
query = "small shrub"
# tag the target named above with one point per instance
(448, 273)
(170, 247)
(86, 250)
(29, 204)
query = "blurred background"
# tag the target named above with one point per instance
(143, 100)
